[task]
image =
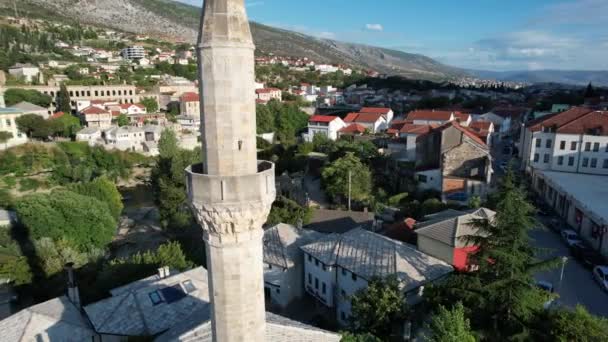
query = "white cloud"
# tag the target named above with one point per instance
(374, 27)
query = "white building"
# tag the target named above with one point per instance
(337, 266)
(31, 108)
(8, 117)
(328, 126)
(574, 141)
(267, 94)
(190, 105)
(132, 109)
(284, 262)
(91, 135)
(133, 52)
(373, 122)
(189, 122)
(27, 72)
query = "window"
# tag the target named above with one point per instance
(594, 162)
(278, 290)
(316, 262)
(560, 160)
(536, 157)
(549, 143)
(587, 146)
(310, 258)
(585, 162)
(323, 288)
(343, 293)
(317, 283)
(344, 270)
(538, 142)
(354, 276)
(343, 315)
(324, 268)
(269, 266)
(562, 145)
(546, 158)
(605, 163)
(310, 278)
(573, 146)
(155, 298)
(189, 286)
(422, 178)
(596, 147)
(8, 122)
(570, 161)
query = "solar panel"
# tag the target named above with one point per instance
(173, 293)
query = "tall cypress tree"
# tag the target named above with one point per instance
(63, 100)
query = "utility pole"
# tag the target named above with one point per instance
(561, 276)
(15, 6)
(350, 187)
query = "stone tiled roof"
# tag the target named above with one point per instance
(452, 228)
(372, 255)
(338, 221)
(131, 312)
(54, 320)
(278, 329)
(282, 244)
(28, 107)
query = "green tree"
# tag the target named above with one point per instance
(84, 222)
(475, 202)
(65, 126)
(122, 120)
(576, 325)
(150, 104)
(285, 210)
(5, 137)
(14, 265)
(336, 178)
(450, 326)
(33, 125)
(348, 337)
(63, 100)
(104, 190)
(379, 308)
(13, 96)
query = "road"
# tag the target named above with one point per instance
(578, 286)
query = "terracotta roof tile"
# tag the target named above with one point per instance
(430, 115)
(322, 118)
(375, 110)
(353, 128)
(559, 120)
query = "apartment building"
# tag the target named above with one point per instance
(133, 52)
(574, 141)
(267, 94)
(326, 125)
(190, 104)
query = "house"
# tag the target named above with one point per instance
(93, 116)
(284, 263)
(339, 221)
(31, 108)
(445, 235)
(339, 265)
(454, 161)
(166, 307)
(132, 109)
(484, 129)
(267, 94)
(430, 117)
(27, 72)
(133, 52)
(373, 122)
(506, 120)
(189, 123)
(574, 141)
(92, 135)
(189, 104)
(126, 138)
(353, 129)
(326, 125)
(403, 145)
(387, 113)
(8, 123)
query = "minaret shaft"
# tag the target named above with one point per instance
(231, 192)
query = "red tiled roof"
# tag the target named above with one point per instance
(190, 97)
(266, 90)
(363, 117)
(429, 115)
(322, 118)
(353, 128)
(416, 129)
(462, 117)
(94, 110)
(560, 119)
(591, 123)
(481, 125)
(115, 112)
(57, 115)
(375, 110)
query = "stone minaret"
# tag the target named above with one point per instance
(231, 192)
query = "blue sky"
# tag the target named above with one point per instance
(481, 34)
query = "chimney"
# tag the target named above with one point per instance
(73, 293)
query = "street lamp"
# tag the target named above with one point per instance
(561, 276)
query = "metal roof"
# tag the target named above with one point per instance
(452, 227)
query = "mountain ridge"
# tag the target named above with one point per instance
(167, 19)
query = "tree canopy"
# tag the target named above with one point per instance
(285, 119)
(104, 190)
(285, 210)
(336, 178)
(12, 96)
(450, 326)
(150, 104)
(63, 100)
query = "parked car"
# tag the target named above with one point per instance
(585, 255)
(600, 273)
(555, 225)
(546, 286)
(570, 237)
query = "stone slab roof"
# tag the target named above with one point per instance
(372, 255)
(282, 244)
(337, 221)
(29, 107)
(132, 312)
(54, 320)
(452, 228)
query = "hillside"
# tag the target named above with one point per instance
(167, 19)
